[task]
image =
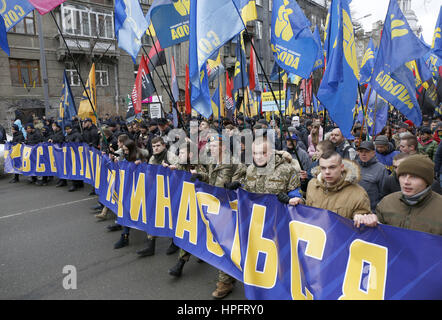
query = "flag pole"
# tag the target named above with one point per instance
(363, 110)
(274, 97)
(167, 91)
(79, 75)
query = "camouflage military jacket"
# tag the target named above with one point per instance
(283, 178)
(219, 174)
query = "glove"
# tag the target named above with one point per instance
(195, 176)
(284, 198)
(232, 185)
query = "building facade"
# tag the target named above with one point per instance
(31, 77)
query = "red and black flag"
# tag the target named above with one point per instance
(157, 57)
(143, 87)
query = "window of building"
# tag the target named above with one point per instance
(25, 73)
(259, 2)
(270, 5)
(26, 26)
(258, 29)
(83, 21)
(146, 1)
(72, 75)
(102, 75)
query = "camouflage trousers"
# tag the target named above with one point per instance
(224, 277)
(184, 255)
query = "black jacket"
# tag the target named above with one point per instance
(57, 137)
(17, 137)
(34, 138)
(91, 137)
(73, 137)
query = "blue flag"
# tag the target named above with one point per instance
(377, 111)
(319, 63)
(4, 37)
(368, 63)
(14, 11)
(240, 76)
(67, 103)
(338, 89)
(130, 26)
(212, 24)
(392, 78)
(170, 19)
(292, 42)
(436, 46)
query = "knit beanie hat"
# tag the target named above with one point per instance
(418, 165)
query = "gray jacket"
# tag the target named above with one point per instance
(373, 175)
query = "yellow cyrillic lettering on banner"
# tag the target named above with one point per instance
(64, 161)
(80, 153)
(110, 184)
(256, 244)
(187, 205)
(52, 159)
(138, 199)
(40, 167)
(235, 255)
(121, 194)
(97, 172)
(162, 202)
(316, 239)
(375, 258)
(213, 205)
(74, 162)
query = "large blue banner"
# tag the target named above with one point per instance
(277, 251)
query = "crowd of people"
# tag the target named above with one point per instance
(392, 178)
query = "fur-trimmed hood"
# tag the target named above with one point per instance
(351, 175)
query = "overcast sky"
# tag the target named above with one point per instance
(426, 11)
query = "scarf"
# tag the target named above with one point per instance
(413, 200)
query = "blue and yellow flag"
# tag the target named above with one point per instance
(216, 104)
(212, 24)
(368, 63)
(4, 37)
(319, 63)
(14, 11)
(292, 42)
(67, 107)
(130, 26)
(247, 8)
(338, 89)
(392, 78)
(240, 76)
(436, 46)
(170, 20)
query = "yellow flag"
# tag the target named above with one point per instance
(248, 12)
(85, 110)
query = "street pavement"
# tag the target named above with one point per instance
(43, 229)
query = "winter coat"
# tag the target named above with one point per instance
(73, 137)
(34, 138)
(91, 137)
(219, 174)
(303, 157)
(373, 174)
(282, 178)
(166, 156)
(391, 185)
(17, 137)
(57, 137)
(311, 148)
(387, 158)
(425, 216)
(346, 150)
(438, 161)
(346, 198)
(428, 147)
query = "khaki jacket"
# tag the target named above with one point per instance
(425, 216)
(346, 198)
